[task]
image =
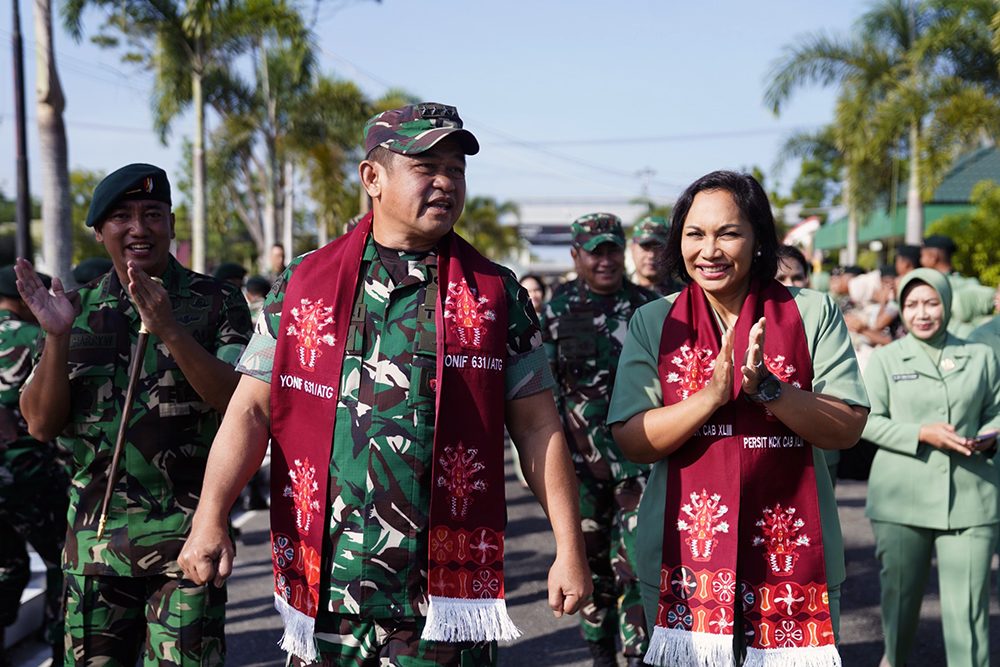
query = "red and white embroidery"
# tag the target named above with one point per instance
(781, 538)
(783, 372)
(466, 311)
(704, 511)
(696, 366)
(459, 466)
(310, 319)
(485, 546)
(301, 491)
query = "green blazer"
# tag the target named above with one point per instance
(911, 482)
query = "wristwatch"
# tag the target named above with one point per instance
(768, 389)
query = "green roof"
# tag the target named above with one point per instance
(834, 235)
(952, 196)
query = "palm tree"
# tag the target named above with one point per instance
(184, 42)
(912, 80)
(57, 235)
(480, 226)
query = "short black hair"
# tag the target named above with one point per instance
(538, 279)
(258, 285)
(794, 254)
(751, 199)
(382, 156)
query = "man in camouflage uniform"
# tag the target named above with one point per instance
(649, 236)
(126, 589)
(583, 331)
(373, 585)
(34, 486)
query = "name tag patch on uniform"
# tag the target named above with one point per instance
(907, 376)
(92, 340)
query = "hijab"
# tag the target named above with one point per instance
(939, 283)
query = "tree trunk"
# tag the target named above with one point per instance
(288, 203)
(270, 208)
(914, 204)
(57, 216)
(851, 252)
(199, 232)
(322, 231)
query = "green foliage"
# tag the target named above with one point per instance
(81, 189)
(653, 209)
(977, 235)
(480, 226)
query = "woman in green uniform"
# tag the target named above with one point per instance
(933, 485)
(738, 537)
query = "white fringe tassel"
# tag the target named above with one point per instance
(460, 620)
(299, 630)
(670, 647)
(810, 656)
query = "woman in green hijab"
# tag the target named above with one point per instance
(933, 486)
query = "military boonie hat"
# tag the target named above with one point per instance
(131, 182)
(90, 268)
(941, 242)
(8, 281)
(651, 229)
(592, 230)
(416, 128)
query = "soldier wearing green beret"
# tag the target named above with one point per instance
(127, 589)
(34, 486)
(649, 235)
(583, 330)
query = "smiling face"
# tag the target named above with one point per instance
(138, 231)
(718, 245)
(601, 268)
(417, 198)
(923, 311)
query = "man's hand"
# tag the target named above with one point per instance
(570, 584)
(54, 312)
(207, 555)
(153, 302)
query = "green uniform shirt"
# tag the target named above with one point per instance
(911, 482)
(583, 335)
(835, 373)
(163, 462)
(971, 304)
(375, 558)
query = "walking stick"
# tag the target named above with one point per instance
(133, 379)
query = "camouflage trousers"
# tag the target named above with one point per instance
(609, 513)
(113, 621)
(352, 641)
(33, 501)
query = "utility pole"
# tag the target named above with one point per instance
(645, 173)
(23, 237)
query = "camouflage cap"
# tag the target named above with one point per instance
(651, 229)
(416, 128)
(133, 181)
(590, 231)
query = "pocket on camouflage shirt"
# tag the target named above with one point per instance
(91, 391)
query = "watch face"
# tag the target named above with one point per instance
(768, 390)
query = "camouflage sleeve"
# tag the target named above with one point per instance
(235, 327)
(258, 360)
(17, 347)
(526, 371)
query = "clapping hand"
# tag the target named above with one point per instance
(55, 312)
(754, 369)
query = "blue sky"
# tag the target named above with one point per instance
(569, 99)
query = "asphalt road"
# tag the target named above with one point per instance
(253, 627)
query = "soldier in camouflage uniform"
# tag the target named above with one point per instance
(583, 331)
(649, 236)
(373, 585)
(125, 593)
(34, 486)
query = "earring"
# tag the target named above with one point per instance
(758, 253)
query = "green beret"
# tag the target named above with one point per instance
(133, 181)
(90, 268)
(8, 281)
(229, 270)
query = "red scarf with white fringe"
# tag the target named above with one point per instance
(742, 523)
(467, 518)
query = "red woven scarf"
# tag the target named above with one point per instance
(465, 579)
(741, 523)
